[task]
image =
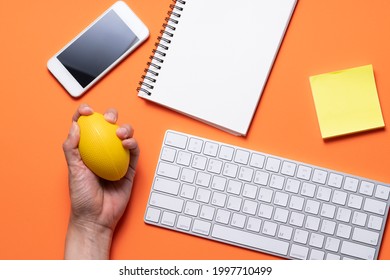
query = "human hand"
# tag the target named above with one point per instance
(96, 204)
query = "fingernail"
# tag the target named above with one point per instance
(111, 116)
(122, 131)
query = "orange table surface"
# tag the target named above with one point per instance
(36, 113)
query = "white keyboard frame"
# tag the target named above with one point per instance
(164, 211)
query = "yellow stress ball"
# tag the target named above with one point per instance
(101, 149)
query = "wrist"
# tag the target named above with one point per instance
(87, 240)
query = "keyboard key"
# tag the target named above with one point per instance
(359, 218)
(203, 195)
(207, 212)
(273, 164)
(214, 166)
(238, 220)
(261, 178)
(242, 156)
(343, 214)
(218, 183)
(265, 195)
(335, 180)
(183, 158)
(281, 215)
(292, 185)
(374, 206)
(357, 250)
(167, 186)
(296, 219)
(199, 162)
(300, 236)
(187, 191)
(328, 210)
(230, 170)
(312, 223)
(166, 202)
(316, 255)
(319, 176)
(312, 207)
(366, 188)
(187, 175)
(201, 227)
(355, 201)
(288, 168)
(334, 257)
(308, 189)
(249, 191)
(245, 174)
(382, 192)
(253, 224)
(265, 211)
(184, 223)
(168, 219)
(222, 216)
(234, 187)
(304, 172)
(285, 232)
(249, 239)
(168, 154)
(211, 149)
(168, 170)
(218, 199)
(153, 214)
(344, 231)
(195, 145)
(249, 207)
(226, 153)
(203, 179)
(351, 184)
(365, 236)
(257, 161)
(176, 140)
(324, 193)
(299, 252)
(296, 202)
(375, 222)
(234, 203)
(339, 197)
(332, 244)
(269, 228)
(328, 227)
(281, 199)
(316, 240)
(276, 182)
(192, 208)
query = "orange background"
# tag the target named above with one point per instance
(36, 115)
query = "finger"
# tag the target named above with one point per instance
(83, 110)
(125, 131)
(111, 115)
(132, 145)
(71, 143)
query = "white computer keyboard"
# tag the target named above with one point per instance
(264, 202)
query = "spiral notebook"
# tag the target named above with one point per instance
(213, 58)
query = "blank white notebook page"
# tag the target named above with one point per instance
(219, 59)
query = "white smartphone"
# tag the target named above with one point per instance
(97, 49)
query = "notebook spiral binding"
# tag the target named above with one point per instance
(162, 46)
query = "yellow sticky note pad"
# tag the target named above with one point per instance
(346, 101)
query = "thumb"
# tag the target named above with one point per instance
(71, 143)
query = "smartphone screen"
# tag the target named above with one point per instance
(96, 49)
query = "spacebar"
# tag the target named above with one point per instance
(251, 240)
